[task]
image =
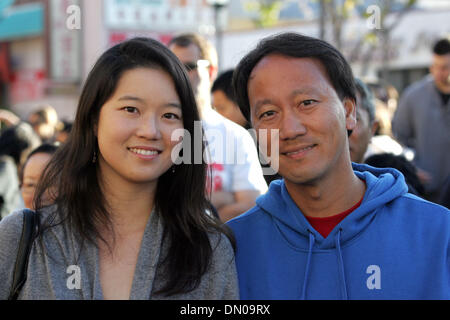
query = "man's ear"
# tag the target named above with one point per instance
(350, 113)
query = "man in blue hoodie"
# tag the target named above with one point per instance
(329, 229)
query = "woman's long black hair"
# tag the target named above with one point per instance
(180, 196)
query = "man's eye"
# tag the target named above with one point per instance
(308, 102)
(266, 114)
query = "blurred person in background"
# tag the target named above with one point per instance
(224, 101)
(7, 119)
(386, 101)
(422, 121)
(63, 131)
(383, 140)
(371, 135)
(44, 122)
(384, 118)
(32, 170)
(399, 162)
(234, 186)
(362, 150)
(16, 143)
(366, 123)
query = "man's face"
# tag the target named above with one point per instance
(360, 138)
(440, 69)
(295, 96)
(198, 72)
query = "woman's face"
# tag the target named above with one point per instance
(31, 173)
(135, 126)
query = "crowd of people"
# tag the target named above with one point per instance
(25, 148)
(357, 208)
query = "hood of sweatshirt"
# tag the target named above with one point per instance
(280, 256)
(382, 186)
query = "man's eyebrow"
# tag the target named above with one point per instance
(260, 103)
(305, 90)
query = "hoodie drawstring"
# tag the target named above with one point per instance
(308, 263)
(341, 265)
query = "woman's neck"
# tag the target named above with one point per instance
(129, 205)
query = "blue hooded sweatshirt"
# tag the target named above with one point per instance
(393, 246)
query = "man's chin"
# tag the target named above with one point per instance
(300, 177)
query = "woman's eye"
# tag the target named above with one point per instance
(171, 116)
(130, 109)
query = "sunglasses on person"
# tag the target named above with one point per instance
(190, 66)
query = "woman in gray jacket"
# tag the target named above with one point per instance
(125, 222)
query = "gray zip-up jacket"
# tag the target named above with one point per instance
(59, 269)
(422, 122)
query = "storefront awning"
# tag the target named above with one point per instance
(21, 21)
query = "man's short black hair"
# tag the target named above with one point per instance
(297, 46)
(223, 83)
(442, 47)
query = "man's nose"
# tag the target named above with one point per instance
(291, 126)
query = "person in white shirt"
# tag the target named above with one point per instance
(236, 174)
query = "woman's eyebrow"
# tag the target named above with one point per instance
(132, 98)
(173, 104)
